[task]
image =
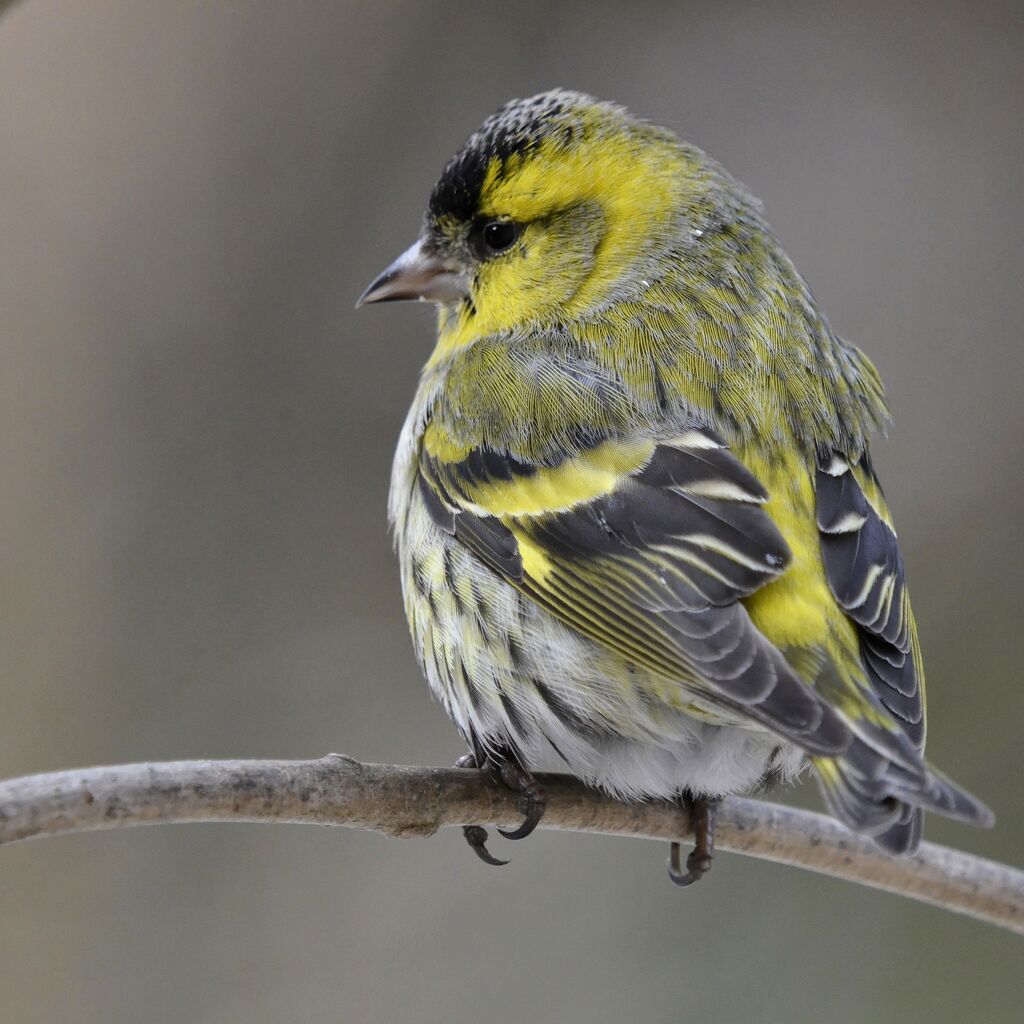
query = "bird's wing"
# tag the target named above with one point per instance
(647, 548)
(864, 569)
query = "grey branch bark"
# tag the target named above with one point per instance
(401, 801)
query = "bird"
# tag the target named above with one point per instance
(639, 531)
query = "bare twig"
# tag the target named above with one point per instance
(400, 801)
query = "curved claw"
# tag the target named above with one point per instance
(697, 866)
(531, 798)
(476, 836)
(533, 816)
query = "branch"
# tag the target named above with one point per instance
(400, 801)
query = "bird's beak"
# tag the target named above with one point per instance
(417, 274)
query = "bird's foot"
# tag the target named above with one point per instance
(476, 835)
(531, 798)
(531, 803)
(701, 811)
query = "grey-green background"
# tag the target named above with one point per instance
(195, 437)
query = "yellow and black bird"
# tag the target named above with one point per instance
(639, 530)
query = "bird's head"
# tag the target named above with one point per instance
(556, 205)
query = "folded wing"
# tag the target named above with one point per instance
(647, 549)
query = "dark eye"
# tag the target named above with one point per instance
(498, 235)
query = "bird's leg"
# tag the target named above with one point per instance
(476, 835)
(701, 811)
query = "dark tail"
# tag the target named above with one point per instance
(885, 799)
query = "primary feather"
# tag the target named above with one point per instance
(637, 521)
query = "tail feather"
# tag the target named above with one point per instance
(905, 836)
(945, 797)
(888, 805)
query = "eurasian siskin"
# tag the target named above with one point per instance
(639, 530)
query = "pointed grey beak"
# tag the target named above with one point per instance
(417, 274)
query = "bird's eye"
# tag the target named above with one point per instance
(498, 235)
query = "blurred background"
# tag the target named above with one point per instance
(195, 438)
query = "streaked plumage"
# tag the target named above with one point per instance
(639, 532)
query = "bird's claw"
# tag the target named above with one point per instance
(531, 799)
(476, 836)
(698, 863)
(696, 866)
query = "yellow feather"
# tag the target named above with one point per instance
(573, 482)
(798, 609)
(626, 187)
(536, 564)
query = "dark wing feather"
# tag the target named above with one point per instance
(865, 572)
(653, 567)
(864, 569)
(649, 550)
